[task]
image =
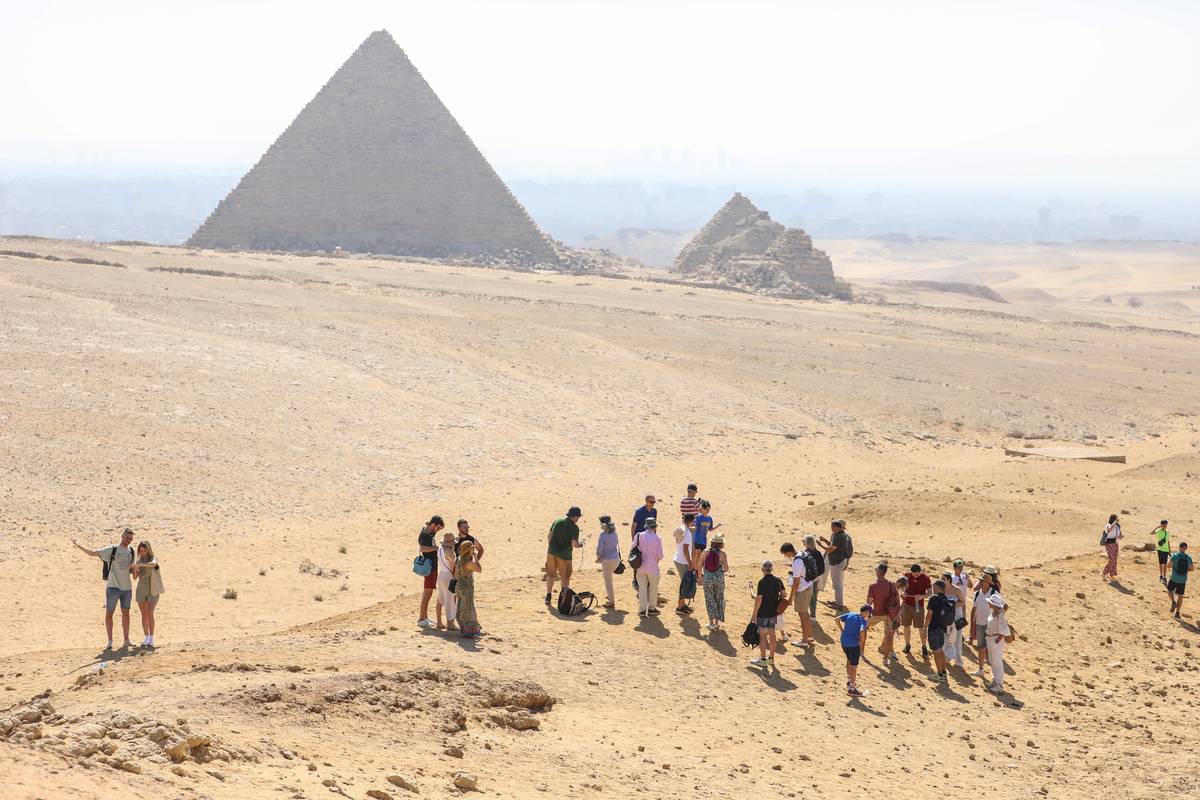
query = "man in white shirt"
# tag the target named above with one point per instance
(684, 542)
(800, 593)
(118, 588)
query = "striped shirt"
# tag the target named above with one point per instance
(689, 505)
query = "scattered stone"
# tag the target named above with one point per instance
(465, 780)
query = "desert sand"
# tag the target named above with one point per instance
(282, 425)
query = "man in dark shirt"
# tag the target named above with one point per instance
(427, 544)
(643, 513)
(912, 612)
(464, 535)
(837, 552)
(941, 608)
(766, 606)
(561, 543)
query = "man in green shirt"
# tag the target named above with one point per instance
(1181, 565)
(1163, 541)
(563, 539)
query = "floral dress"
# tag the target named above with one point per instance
(468, 622)
(714, 594)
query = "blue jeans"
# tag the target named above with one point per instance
(112, 594)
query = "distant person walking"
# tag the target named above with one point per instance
(117, 560)
(149, 589)
(608, 556)
(1112, 535)
(641, 514)
(1162, 544)
(1181, 565)
(716, 564)
(839, 548)
(651, 548)
(447, 570)
(766, 603)
(854, 639)
(427, 545)
(913, 611)
(803, 573)
(818, 560)
(998, 632)
(561, 543)
(464, 591)
(684, 562)
(690, 504)
(885, 610)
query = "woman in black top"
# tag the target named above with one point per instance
(766, 603)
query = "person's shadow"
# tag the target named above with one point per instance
(690, 626)
(807, 656)
(613, 616)
(652, 626)
(859, 704)
(772, 677)
(718, 640)
(1120, 587)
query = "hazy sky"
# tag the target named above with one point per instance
(1094, 93)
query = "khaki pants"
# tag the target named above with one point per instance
(607, 566)
(647, 590)
(837, 575)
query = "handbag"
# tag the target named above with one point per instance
(453, 585)
(635, 554)
(960, 623)
(422, 566)
(1012, 635)
(619, 569)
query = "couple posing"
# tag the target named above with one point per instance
(121, 565)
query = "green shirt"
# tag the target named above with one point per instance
(563, 533)
(1180, 564)
(1164, 544)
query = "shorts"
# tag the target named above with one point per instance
(431, 579)
(937, 638)
(980, 637)
(1164, 556)
(765, 623)
(912, 616)
(558, 567)
(803, 599)
(112, 594)
(853, 654)
(1174, 587)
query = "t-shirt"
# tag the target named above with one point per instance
(562, 533)
(940, 604)
(960, 609)
(704, 524)
(882, 594)
(770, 588)
(118, 573)
(425, 539)
(854, 623)
(918, 584)
(1164, 539)
(840, 542)
(689, 505)
(683, 536)
(981, 606)
(1180, 564)
(798, 571)
(641, 515)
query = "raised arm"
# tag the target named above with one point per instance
(94, 553)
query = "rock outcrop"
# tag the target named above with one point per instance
(742, 247)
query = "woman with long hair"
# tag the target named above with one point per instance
(464, 574)
(150, 587)
(715, 563)
(1112, 535)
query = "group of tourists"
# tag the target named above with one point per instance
(120, 565)
(448, 562)
(1173, 567)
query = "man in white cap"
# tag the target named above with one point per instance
(997, 630)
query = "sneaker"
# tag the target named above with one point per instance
(654, 612)
(943, 677)
(924, 651)
(642, 614)
(610, 605)
(758, 662)
(771, 660)
(1162, 580)
(1177, 616)
(1174, 605)
(978, 673)
(426, 623)
(108, 647)
(907, 649)
(996, 689)
(854, 691)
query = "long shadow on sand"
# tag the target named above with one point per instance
(772, 677)
(811, 665)
(859, 704)
(719, 641)
(1120, 587)
(613, 616)
(819, 633)
(106, 657)
(652, 626)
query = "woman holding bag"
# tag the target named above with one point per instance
(649, 553)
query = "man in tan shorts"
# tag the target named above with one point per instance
(560, 544)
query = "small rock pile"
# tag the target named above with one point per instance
(117, 739)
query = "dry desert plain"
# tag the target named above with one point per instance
(281, 425)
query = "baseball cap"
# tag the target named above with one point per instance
(958, 562)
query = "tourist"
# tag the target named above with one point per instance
(716, 564)
(464, 590)
(802, 573)
(1181, 565)
(560, 546)
(684, 560)
(766, 603)
(997, 633)
(885, 608)
(447, 558)
(464, 535)
(984, 588)
(956, 589)
(703, 528)
(608, 556)
(118, 588)
(854, 639)
(818, 559)
(428, 548)
(839, 548)
(648, 571)
(691, 503)
(1162, 543)
(912, 612)
(641, 514)
(150, 587)
(1112, 535)
(939, 617)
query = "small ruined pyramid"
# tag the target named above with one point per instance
(375, 163)
(743, 247)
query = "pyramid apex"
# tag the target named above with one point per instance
(380, 37)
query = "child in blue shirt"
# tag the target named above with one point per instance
(854, 634)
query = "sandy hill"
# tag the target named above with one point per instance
(280, 426)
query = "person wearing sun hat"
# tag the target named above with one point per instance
(715, 564)
(997, 633)
(608, 556)
(561, 542)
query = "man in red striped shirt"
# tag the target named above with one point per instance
(691, 503)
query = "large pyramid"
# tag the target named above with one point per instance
(743, 247)
(375, 163)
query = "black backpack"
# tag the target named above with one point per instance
(572, 603)
(810, 566)
(750, 635)
(106, 566)
(635, 555)
(818, 560)
(945, 616)
(849, 546)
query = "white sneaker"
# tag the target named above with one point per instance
(996, 689)
(758, 662)
(426, 623)
(978, 673)
(150, 641)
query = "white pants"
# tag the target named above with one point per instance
(954, 644)
(447, 600)
(608, 565)
(647, 590)
(995, 652)
(837, 574)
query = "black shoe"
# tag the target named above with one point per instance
(924, 651)
(907, 648)
(547, 598)
(1174, 605)
(1177, 615)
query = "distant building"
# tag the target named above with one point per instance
(1124, 226)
